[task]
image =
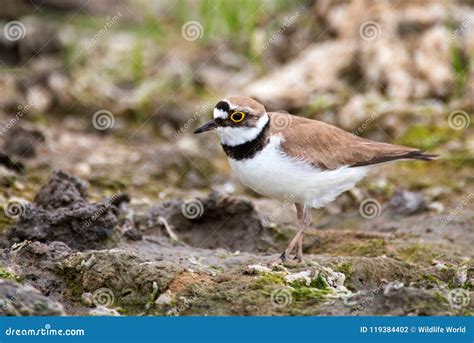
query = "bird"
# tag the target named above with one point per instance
(284, 156)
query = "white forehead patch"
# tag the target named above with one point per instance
(220, 114)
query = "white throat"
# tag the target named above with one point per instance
(233, 136)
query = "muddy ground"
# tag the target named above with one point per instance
(110, 206)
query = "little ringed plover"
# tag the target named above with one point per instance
(284, 156)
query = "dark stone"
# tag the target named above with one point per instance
(133, 235)
(60, 212)
(22, 143)
(62, 190)
(25, 300)
(407, 203)
(8, 163)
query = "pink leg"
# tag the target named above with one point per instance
(304, 219)
(306, 223)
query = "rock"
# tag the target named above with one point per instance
(87, 299)
(436, 206)
(60, 212)
(133, 234)
(165, 298)
(392, 287)
(460, 277)
(399, 301)
(313, 70)
(8, 163)
(39, 98)
(62, 190)
(303, 276)
(25, 300)
(103, 311)
(37, 263)
(40, 37)
(407, 203)
(21, 142)
(256, 269)
(334, 279)
(124, 279)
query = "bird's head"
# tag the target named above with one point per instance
(237, 120)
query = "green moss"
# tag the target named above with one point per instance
(73, 284)
(369, 248)
(298, 284)
(103, 182)
(440, 299)
(424, 137)
(344, 268)
(309, 293)
(460, 65)
(319, 282)
(4, 274)
(5, 222)
(268, 279)
(138, 73)
(430, 281)
(419, 253)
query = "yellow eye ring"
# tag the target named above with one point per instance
(237, 117)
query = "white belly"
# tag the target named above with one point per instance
(271, 173)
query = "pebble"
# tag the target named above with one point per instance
(103, 311)
(304, 276)
(258, 269)
(392, 287)
(165, 298)
(407, 203)
(87, 299)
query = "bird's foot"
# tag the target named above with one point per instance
(298, 258)
(279, 261)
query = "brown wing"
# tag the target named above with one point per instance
(329, 147)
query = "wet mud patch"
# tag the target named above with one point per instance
(215, 221)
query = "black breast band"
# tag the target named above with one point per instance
(248, 149)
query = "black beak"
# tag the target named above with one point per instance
(211, 125)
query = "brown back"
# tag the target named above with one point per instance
(328, 147)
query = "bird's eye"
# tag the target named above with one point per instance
(237, 117)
